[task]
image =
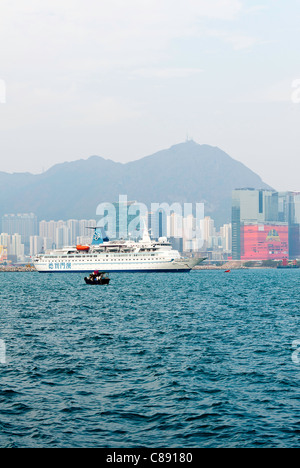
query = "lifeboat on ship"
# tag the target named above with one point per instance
(82, 248)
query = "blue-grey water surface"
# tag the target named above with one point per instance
(152, 360)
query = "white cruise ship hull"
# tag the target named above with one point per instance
(81, 266)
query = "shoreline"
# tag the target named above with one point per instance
(19, 269)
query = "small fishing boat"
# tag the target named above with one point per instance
(286, 265)
(97, 278)
(228, 271)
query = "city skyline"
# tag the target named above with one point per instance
(49, 235)
(265, 225)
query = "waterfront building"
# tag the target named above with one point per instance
(258, 230)
(17, 249)
(84, 227)
(265, 241)
(160, 224)
(56, 233)
(5, 240)
(175, 226)
(226, 238)
(84, 240)
(12, 246)
(36, 245)
(62, 236)
(40, 244)
(73, 227)
(208, 232)
(24, 224)
(3, 254)
(289, 212)
(48, 229)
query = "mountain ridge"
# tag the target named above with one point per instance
(184, 173)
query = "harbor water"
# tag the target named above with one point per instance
(204, 359)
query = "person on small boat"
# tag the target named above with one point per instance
(92, 277)
(99, 278)
(96, 276)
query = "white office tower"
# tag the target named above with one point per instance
(226, 235)
(208, 230)
(73, 226)
(62, 236)
(36, 245)
(16, 247)
(175, 226)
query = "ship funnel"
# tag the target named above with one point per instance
(99, 236)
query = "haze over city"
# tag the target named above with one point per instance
(125, 79)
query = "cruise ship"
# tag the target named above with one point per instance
(102, 254)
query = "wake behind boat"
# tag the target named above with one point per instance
(115, 256)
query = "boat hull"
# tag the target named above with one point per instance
(119, 263)
(184, 270)
(98, 282)
(166, 267)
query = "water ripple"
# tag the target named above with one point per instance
(199, 360)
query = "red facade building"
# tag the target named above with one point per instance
(264, 242)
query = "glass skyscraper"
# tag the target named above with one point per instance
(289, 212)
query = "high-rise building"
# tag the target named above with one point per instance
(226, 238)
(4, 247)
(84, 227)
(150, 222)
(62, 237)
(73, 226)
(265, 241)
(289, 212)
(48, 229)
(16, 247)
(36, 245)
(3, 254)
(12, 246)
(5, 240)
(208, 231)
(23, 224)
(260, 228)
(175, 225)
(61, 233)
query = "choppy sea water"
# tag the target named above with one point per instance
(153, 360)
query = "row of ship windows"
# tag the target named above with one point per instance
(111, 260)
(95, 256)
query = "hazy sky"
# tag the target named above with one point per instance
(124, 79)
